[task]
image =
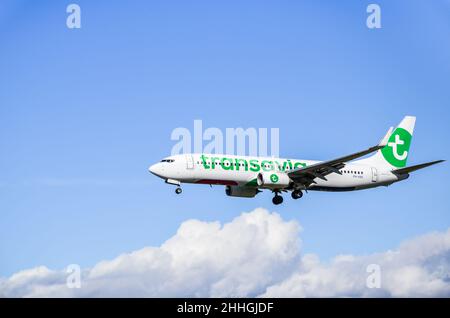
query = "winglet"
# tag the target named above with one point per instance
(384, 141)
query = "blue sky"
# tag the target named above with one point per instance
(83, 113)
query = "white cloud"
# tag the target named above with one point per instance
(417, 268)
(256, 254)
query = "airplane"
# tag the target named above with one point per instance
(246, 176)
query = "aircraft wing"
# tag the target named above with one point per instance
(306, 175)
(416, 167)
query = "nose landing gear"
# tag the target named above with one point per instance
(177, 183)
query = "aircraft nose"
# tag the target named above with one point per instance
(152, 169)
(155, 169)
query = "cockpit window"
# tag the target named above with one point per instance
(167, 160)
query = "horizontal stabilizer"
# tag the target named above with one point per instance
(416, 167)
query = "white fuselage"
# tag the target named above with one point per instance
(243, 171)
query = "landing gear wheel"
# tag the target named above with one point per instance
(277, 199)
(178, 190)
(297, 194)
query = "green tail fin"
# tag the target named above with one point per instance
(397, 149)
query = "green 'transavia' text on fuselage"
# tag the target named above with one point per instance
(255, 165)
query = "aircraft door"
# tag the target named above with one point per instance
(189, 162)
(374, 174)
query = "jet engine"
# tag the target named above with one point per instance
(273, 180)
(243, 192)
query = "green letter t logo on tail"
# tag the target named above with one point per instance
(396, 151)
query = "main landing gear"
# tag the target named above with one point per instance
(277, 199)
(296, 194)
(178, 190)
